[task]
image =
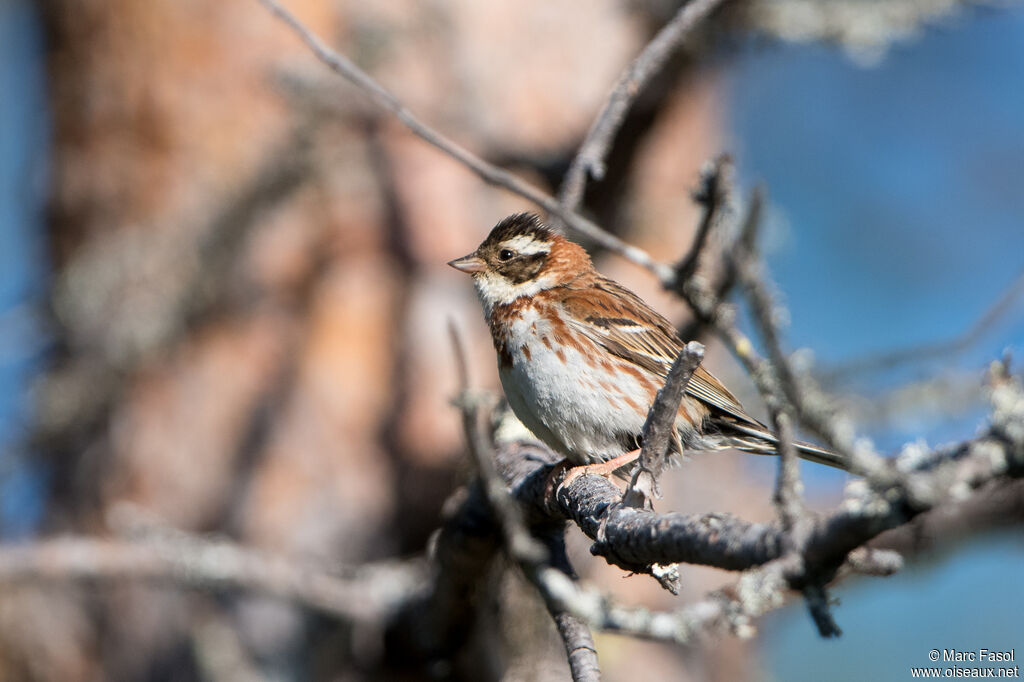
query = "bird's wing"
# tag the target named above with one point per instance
(620, 322)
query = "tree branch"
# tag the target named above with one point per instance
(660, 428)
(489, 173)
(634, 538)
(370, 592)
(913, 355)
(591, 154)
(522, 546)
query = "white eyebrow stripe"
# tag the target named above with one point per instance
(525, 244)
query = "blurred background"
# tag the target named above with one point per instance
(223, 298)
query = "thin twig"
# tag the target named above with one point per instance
(932, 351)
(489, 173)
(579, 642)
(579, 647)
(520, 544)
(712, 193)
(808, 405)
(660, 427)
(818, 605)
(591, 154)
(715, 195)
(523, 548)
(788, 487)
(796, 524)
(709, 304)
(370, 592)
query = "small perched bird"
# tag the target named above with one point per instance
(581, 357)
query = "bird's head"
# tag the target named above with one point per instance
(521, 257)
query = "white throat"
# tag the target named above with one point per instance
(494, 290)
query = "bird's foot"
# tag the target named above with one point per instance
(551, 485)
(606, 468)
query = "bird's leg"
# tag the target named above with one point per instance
(606, 468)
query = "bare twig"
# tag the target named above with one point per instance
(579, 643)
(489, 173)
(788, 487)
(796, 524)
(818, 605)
(715, 195)
(712, 194)
(775, 380)
(521, 545)
(531, 556)
(579, 647)
(659, 429)
(370, 592)
(919, 354)
(591, 154)
(709, 304)
(808, 405)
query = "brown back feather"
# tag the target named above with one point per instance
(628, 328)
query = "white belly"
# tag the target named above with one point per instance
(559, 397)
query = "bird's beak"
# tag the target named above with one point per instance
(471, 263)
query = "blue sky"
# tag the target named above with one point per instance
(897, 197)
(899, 185)
(24, 150)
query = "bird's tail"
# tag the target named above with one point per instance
(755, 438)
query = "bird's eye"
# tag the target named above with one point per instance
(505, 254)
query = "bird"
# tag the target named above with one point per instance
(581, 357)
